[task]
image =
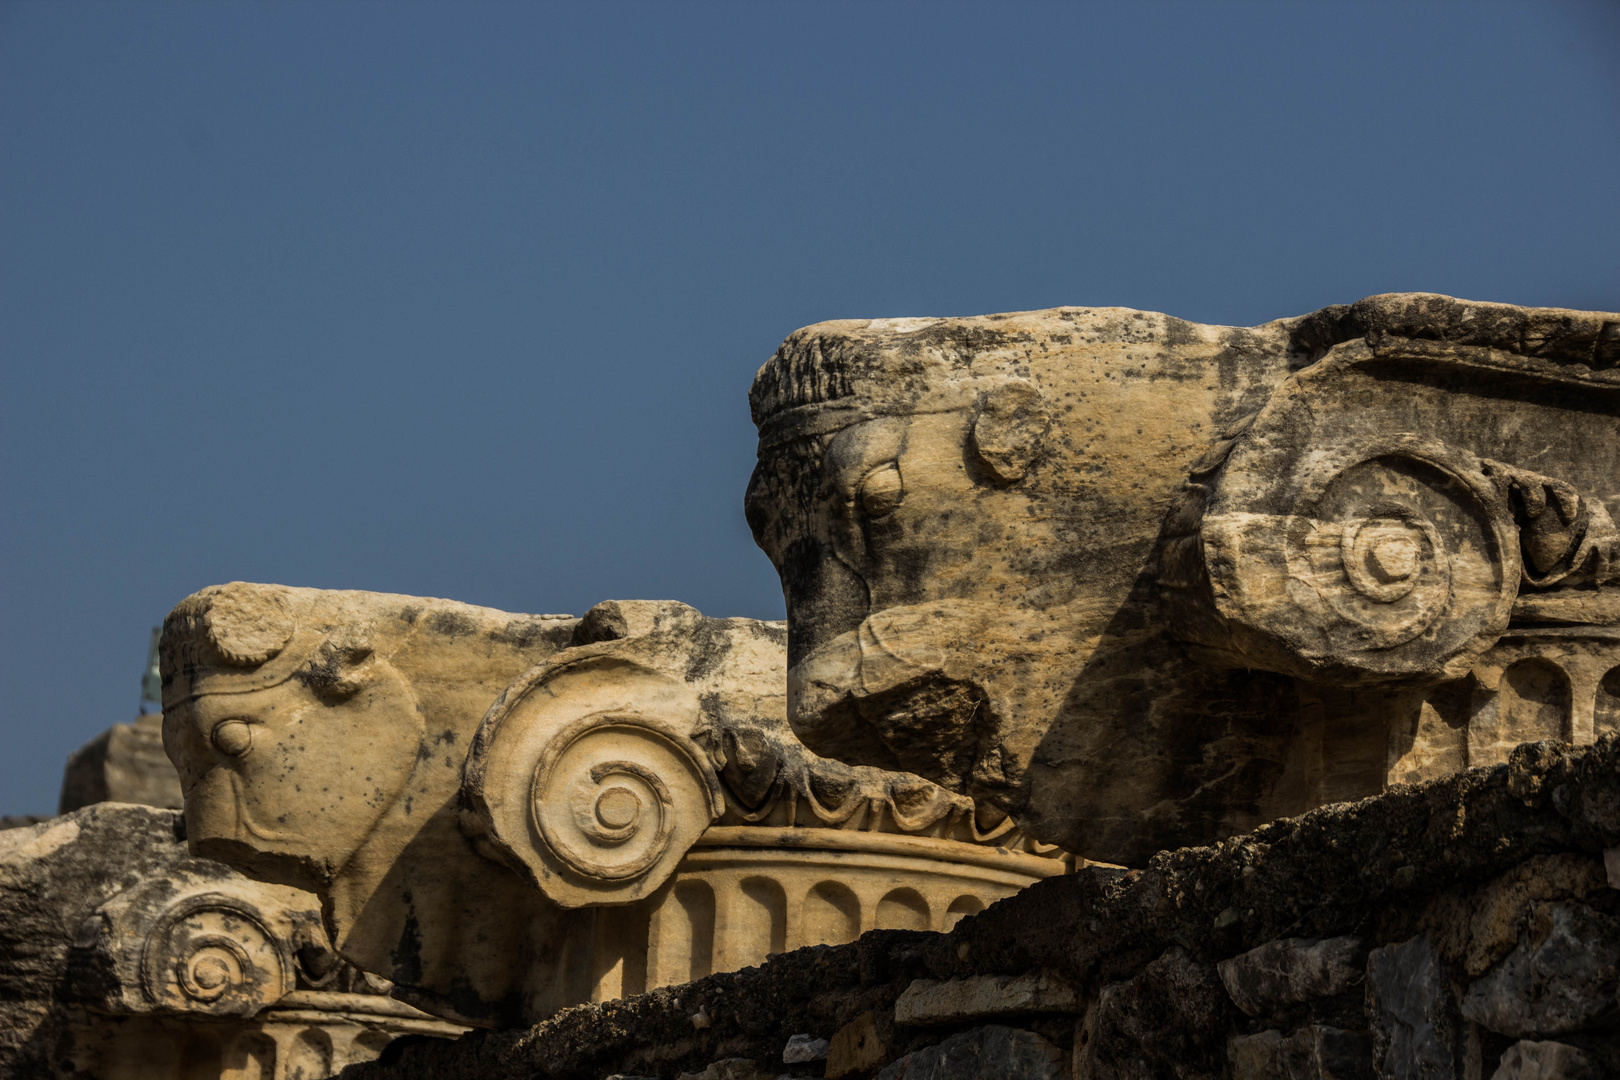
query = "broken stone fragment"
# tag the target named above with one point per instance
(1291, 970)
(1560, 977)
(932, 1001)
(126, 764)
(804, 1047)
(987, 1053)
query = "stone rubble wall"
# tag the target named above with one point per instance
(1463, 928)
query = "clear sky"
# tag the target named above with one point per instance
(464, 299)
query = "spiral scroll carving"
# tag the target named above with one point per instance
(599, 798)
(1407, 557)
(211, 954)
(586, 778)
(1387, 558)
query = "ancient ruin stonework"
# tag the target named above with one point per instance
(1465, 927)
(506, 822)
(121, 956)
(1099, 624)
(1139, 582)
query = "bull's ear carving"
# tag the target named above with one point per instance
(1008, 432)
(344, 665)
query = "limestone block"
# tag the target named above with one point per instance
(1291, 970)
(1527, 1060)
(857, 1047)
(724, 1069)
(125, 764)
(1410, 1008)
(1560, 977)
(959, 510)
(401, 756)
(1314, 1052)
(933, 1001)
(987, 1053)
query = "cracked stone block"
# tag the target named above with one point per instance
(1291, 970)
(1559, 978)
(987, 1053)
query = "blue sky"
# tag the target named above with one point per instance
(464, 299)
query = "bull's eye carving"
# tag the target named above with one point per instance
(233, 738)
(881, 491)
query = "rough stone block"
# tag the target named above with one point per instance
(932, 1001)
(124, 764)
(724, 1069)
(1172, 1018)
(856, 1047)
(1560, 977)
(987, 1053)
(804, 1047)
(1314, 1052)
(1291, 970)
(1526, 1060)
(1409, 1005)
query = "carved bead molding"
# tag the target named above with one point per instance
(585, 777)
(1354, 531)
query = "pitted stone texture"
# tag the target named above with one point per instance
(1527, 1060)
(123, 764)
(1560, 977)
(1409, 1003)
(987, 1053)
(1329, 873)
(1292, 970)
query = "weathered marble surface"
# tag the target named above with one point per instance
(505, 815)
(1140, 582)
(320, 738)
